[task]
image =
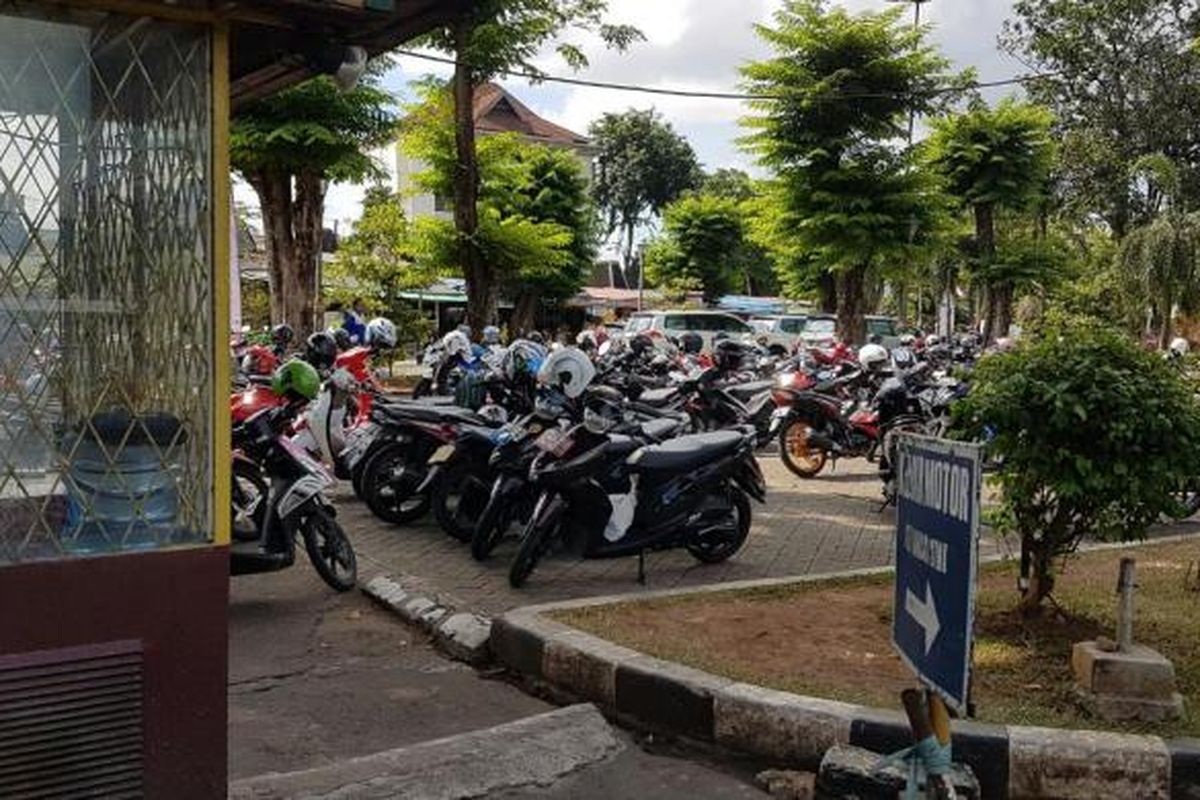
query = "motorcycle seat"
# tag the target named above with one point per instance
(658, 397)
(660, 429)
(746, 391)
(686, 452)
(416, 412)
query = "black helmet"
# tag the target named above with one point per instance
(320, 350)
(691, 343)
(341, 337)
(729, 354)
(282, 334)
(603, 410)
(641, 343)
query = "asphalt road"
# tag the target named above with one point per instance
(317, 677)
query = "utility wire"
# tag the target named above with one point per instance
(629, 87)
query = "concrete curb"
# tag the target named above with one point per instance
(461, 635)
(794, 731)
(535, 751)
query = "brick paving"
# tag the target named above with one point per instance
(830, 524)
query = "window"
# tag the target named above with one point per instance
(792, 325)
(820, 327)
(729, 324)
(881, 327)
(105, 278)
(637, 324)
(675, 322)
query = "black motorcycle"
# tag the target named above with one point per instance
(294, 507)
(691, 492)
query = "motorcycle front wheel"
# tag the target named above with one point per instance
(799, 455)
(714, 551)
(330, 551)
(489, 529)
(535, 543)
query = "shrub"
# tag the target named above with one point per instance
(1093, 434)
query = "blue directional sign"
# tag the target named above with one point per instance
(937, 525)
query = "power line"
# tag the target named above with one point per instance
(706, 95)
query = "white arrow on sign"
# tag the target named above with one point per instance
(925, 613)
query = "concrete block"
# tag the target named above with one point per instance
(465, 637)
(880, 731)
(785, 728)
(1140, 672)
(518, 645)
(414, 607)
(585, 666)
(855, 772)
(787, 785)
(984, 748)
(432, 616)
(668, 696)
(1049, 762)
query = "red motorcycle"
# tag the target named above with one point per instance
(824, 415)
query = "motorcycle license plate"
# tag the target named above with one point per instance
(553, 440)
(441, 455)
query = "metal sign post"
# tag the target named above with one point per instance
(937, 528)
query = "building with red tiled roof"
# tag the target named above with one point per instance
(496, 110)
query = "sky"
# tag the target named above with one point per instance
(698, 45)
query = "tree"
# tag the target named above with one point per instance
(288, 147)
(1093, 435)
(537, 227)
(378, 257)
(554, 189)
(728, 182)
(994, 159)
(835, 97)
(1160, 261)
(1119, 76)
(704, 234)
(490, 37)
(642, 165)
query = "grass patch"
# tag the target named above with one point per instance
(833, 639)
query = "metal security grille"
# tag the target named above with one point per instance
(71, 723)
(105, 280)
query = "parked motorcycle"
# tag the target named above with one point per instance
(294, 507)
(606, 493)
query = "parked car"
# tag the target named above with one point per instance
(676, 323)
(886, 328)
(820, 330)
(778, 333)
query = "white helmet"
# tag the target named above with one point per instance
(456, 343)
(1179, 346)
(567, 369)
(522, 357)
(872, 357)
(933, 340)
(381, 333)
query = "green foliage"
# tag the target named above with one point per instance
(377, 259)
(510, 33)
(1160, 263)
(1120, 76)
(998, 156)
(314, 127)
(1094, 434)
(704, 234)
(537, 226)
(642, 165)
(851, 203)
(728, 182)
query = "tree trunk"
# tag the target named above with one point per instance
(481, 284)
(1041, 576)
(524, 313)
(997, 306)
(302, 290)
(274, 189)
(851, 305)
(1000, 310)
(827, 293)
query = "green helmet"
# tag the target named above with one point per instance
(296, 377)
